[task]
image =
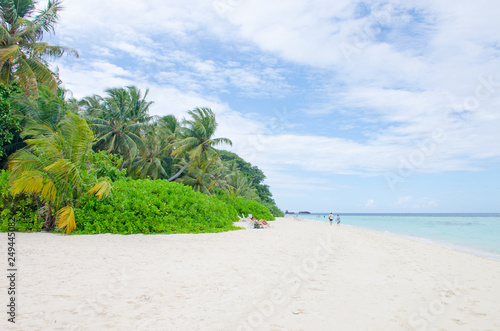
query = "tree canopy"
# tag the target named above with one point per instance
(60, 149)
(23, 53)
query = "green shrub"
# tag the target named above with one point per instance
(107, 166)
(245, 206)
(20, 210)
(275, 211)
(146, 206)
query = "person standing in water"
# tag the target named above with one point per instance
(338, 219)
(330, 218)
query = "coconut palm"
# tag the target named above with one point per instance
(131, 100)
(238, 185)
(198, 179)
(118, 119)
(152, 160)
(23, 54)
(203, 178)
(53, 165)
(92, 106)
(196, 139)
(172, 126)
(47, 108)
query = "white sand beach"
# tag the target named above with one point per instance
(296, 275)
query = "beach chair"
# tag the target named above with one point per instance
(264, 223)
(249, 221)
(257, 225)
(251, 224)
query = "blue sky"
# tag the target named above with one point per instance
(351, 106)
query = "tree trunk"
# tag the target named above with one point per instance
(180, 171)
(49, 223)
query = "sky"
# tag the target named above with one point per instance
(347, 106)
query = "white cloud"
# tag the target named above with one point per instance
(408, 77)
(425, 203)
(142, 53)
(370, 203)
(93, 78)
(409, 202)
(404, 201)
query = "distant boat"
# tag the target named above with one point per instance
(304, 212)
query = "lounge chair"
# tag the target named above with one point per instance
(264, 223)
(261, 224)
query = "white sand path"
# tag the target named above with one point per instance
(297, 275)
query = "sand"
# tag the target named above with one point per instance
(296, 275)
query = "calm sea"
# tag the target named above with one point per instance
(474, 233)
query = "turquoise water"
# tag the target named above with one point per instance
(475, 233)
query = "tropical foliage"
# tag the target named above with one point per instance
(23, 54)
(255, 178)
(168, 208)
(117, 120)
(162, 174)
(244, 207)
(9, 124)
(47, 108)
(197, 139)
(54, 165)
(20, 210)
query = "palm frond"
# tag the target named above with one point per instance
(5, 72)
(220, 141)
(9, 53)
(65, 172)
(23, 160)
(101, 189)
(26, 77)
(48, 17)
(66, 219)
(42, 73)
(35, 182)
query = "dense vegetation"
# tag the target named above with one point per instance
(81, 164)
(168, 208)
(9, 124)
(20, 209)
(252, 177)
(244, 206)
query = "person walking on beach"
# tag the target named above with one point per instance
(338, 219)
(330, 218)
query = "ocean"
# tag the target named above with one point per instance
(472, 233)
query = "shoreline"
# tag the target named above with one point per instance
(441, 243)
(295, 275)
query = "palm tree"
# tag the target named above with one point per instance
(92, 106)
(172, 126)
(238, 184)
(23, 54)
(131, 100)
(152, 159)
(204, 178)
(47, 108)
(197, 141)
(53, 165)
(117, 120)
